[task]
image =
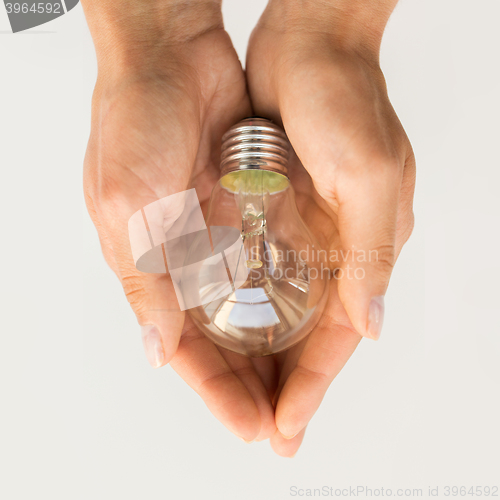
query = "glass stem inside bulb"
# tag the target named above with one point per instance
(253, 202)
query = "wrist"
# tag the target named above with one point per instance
(135, 36)
(349, 24)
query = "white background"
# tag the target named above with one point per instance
(419, 408)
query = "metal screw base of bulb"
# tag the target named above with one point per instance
(255, 143)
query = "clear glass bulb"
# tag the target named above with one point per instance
(281, 289)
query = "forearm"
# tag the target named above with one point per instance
(136, 32)
(349, 22)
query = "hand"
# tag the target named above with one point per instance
(317, 72)
(159, 110)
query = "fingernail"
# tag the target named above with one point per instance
(289, 437)
(375, 317)
(151, 340)
(244, 440)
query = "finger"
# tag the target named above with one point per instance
(244, 369)
(112, 198)
(152, 296)
(367, 220)
(286, 447)
(201, 365)
(327, 350)
(266, 368)
(356, 162)
(287, 366)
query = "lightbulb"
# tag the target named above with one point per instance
(277, 273)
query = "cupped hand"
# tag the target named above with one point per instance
(354, 182)
(157, 125)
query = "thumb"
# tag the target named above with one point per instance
(367, 220)
(151, 294)
(161, 326)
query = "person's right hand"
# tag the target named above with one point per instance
(162, 101)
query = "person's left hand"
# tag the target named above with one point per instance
(355, 192)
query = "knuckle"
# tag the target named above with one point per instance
(407, 228)
(383, 259)
(384, 172)
(107, 191)
(376, 171)
(385, 164)
(134, 289)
